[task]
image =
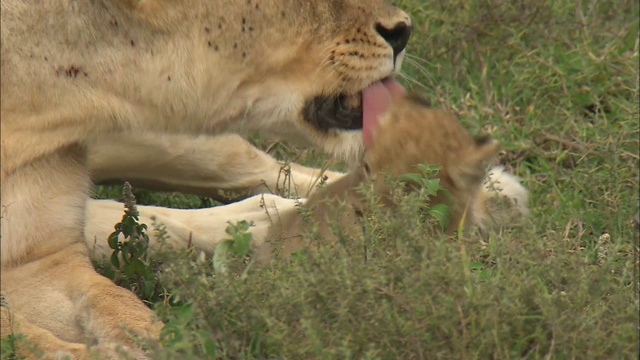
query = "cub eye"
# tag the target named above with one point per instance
(483, 140)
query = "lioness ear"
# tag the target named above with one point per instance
(472, 166)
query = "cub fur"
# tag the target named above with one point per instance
(411, 133)
(74, 71)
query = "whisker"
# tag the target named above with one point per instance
(417, 65)
(326, 60)
(423, 71)
(415, 82)
(418, 59)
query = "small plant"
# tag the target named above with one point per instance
(9, 346)
(429, 187)
(132, 266)
(10, 343)
(238, 246)
(185, 330)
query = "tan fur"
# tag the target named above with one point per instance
(202, 229)
(410, 133)
(224, 167)
(74, 71)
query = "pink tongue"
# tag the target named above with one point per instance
(376, 100)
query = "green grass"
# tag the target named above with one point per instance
(557, 83)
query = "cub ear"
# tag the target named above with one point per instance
(472, 165)
(365, 167)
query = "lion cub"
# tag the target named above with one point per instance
(408, 134)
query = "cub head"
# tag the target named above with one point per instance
(404, 133)
(412, 133)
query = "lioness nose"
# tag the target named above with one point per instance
(397, 37)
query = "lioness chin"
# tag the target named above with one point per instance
(74, 71)
(408, 133)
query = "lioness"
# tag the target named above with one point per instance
(76, 71)
(408, 133)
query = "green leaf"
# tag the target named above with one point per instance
(128, 226)
(244, 225)
(220, 256)
(210, 347)
(137, 249)
(127, 255)
(115, 261)
(485, 274)
(183, 314)
(242, 243)
(171, 335)
(300, 257)
(135, 267)
(425, 167)
(113, 240)
(441, 213)
(432, 186)
(429, 171)
(476, 265)
(411, 177)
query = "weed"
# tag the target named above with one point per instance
(131, 265)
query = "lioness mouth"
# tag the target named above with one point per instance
(356, 112)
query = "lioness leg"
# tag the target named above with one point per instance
(39, 342)
(202, 165)
(75, 304)
(47, 276)
(202, 229)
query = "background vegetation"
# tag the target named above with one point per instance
(557, 83)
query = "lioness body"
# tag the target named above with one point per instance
(73, 71)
